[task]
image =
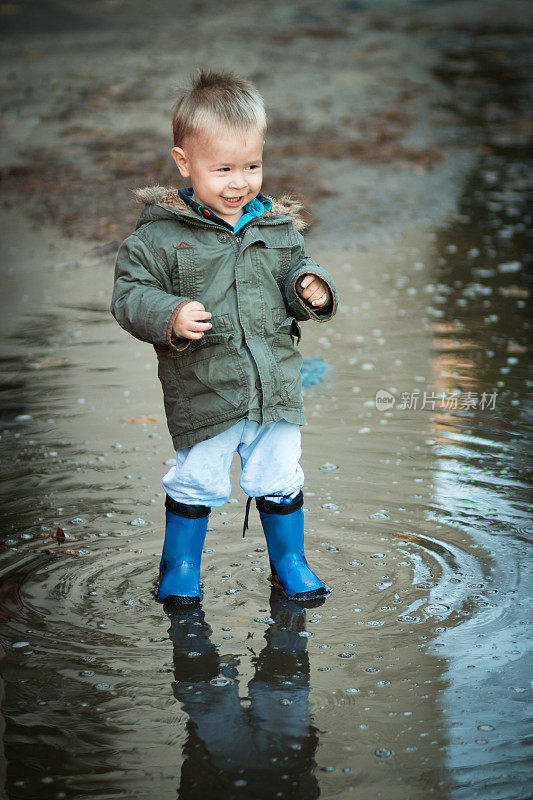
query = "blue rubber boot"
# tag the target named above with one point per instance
(179, 569)
(283, 524)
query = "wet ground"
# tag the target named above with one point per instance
(412, 679)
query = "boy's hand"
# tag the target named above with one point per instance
(191, 322)
(314, 290)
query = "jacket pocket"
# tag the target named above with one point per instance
(277, 261)
(206, 383)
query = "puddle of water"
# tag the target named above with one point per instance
(410, 680)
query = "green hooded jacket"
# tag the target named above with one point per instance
(247, 366)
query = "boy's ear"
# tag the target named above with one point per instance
(182, 162)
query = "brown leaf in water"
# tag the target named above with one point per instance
(60, 535)
(142, 420)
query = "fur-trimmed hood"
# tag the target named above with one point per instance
(161, 196)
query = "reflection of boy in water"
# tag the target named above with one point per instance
(216, 277)
(265, 750)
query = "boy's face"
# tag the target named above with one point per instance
(225, 169)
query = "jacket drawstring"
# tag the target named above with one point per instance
(246, 515)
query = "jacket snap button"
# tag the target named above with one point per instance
(222, 237)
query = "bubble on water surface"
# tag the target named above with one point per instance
(352, 691)
(77, 521)
(383, 752)
(17, 645)
(436, 608)
(265, 620)
(510, 266)
(379, 515)
(346, 655)
(330, 506)
(305, 634)
(220, 681)
(102, 687)
(138, 522)
(327, 467)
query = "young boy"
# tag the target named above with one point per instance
(215, 277)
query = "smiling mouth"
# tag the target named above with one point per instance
(233, 201)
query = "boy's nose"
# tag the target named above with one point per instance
(238, 181)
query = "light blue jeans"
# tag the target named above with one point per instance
(270, 456)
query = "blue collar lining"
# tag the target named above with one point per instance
(253, 209)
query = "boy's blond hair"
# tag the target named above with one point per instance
(217, 99)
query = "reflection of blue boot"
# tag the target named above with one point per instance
(186, 527)
(283, 524)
